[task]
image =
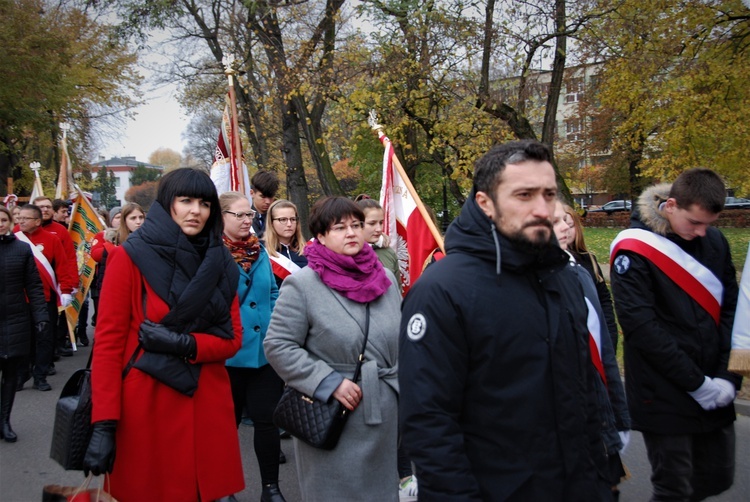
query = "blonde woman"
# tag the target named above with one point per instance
(284, 240)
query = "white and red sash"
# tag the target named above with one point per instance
(282, 266)
(46, 271)
(595, 339)
(688, 273)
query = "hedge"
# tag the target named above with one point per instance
(735, 218)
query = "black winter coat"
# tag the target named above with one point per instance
(21, 297)
(671, 343)
(497, 389)
(589, 263)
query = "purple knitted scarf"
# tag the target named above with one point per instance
(360, 278)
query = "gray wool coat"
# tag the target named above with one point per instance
(314, 332)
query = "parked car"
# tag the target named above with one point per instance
(737, 203)
(614, 206)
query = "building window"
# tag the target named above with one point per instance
(573, 130)
(574, 90)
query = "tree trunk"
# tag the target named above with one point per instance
(296, 183)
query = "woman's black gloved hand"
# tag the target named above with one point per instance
(100, 455)
(158, 338)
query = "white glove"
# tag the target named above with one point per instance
(66, 300)
(625, 438)
(728, 392)
(707, 394)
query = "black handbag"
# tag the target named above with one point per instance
(315, 422)
(169, 369)
(72, 429)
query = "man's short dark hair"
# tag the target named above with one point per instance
(328, 211)
(32, 207)
(265, 182)
(699, 186)
(59, 203)
(489, 168)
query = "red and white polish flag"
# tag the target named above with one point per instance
(414, 237)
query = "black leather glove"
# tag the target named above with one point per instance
(100, 455)
(41, 327)
(158, 338)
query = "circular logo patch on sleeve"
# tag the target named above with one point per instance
(622, 264)
(416, 328)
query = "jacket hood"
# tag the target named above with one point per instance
(647, 209)
(474, 233)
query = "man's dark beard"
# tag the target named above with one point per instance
(537, 247)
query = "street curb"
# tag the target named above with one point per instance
(742, 406)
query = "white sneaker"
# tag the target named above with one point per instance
(407, 489)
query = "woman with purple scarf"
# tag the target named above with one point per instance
(316, 332)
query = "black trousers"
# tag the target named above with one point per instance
(42, 347)
(690, 467)
(258, 390)
(9, 370)
(83, 319)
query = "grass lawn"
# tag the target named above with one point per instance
(599, 239)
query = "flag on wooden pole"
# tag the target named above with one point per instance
(229, 171)
(414, 236)
(85, 223)
(228, 167)
(65, 178)
(37, 190)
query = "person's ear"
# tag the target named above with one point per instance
(321, 238)
(670, 205)
(485, 203)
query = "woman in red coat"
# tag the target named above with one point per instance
(168, 298)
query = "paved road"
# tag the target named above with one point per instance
(25, 466)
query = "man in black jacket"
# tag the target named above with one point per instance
(675, 293)
(497, 399)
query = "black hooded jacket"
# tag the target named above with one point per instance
(671, 343)
(497, 399)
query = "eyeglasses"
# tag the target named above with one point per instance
(355, 227)
(242, 216)
(284, 221)
(26, 218)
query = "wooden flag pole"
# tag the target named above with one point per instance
(420, 205)
(235, 141)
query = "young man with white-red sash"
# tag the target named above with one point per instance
(675, 291)
(58, 283)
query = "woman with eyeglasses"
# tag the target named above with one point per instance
(255, 385)
(284, 240)
(316, 334)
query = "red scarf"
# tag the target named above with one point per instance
(244, 252)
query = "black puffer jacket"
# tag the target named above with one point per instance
(671, 343)
(497, 388)
(20, 280)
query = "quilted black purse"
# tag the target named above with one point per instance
(72, 429)
(315, 422)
